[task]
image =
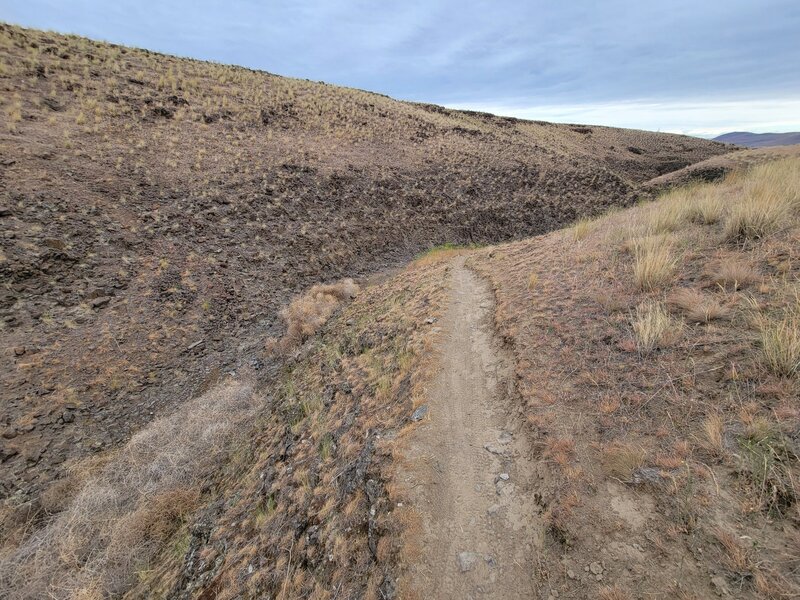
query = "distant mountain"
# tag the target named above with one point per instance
(759, 140)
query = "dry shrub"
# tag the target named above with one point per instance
(732, 273)
(124, 513)
(697, 306)
(307, 313)
(533, 281)
(653, 262)
(653, 327)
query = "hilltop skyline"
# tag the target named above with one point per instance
(702, 69)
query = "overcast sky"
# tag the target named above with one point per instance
(694, 66)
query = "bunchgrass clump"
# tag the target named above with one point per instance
(653, 327)
(653, 262)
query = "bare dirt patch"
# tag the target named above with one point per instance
(470, 471)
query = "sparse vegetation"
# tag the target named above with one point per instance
(697, 306)
(733, 274)
(653, 326)
(307, 313)
(653, 262)
(780, 342)
(234, 191)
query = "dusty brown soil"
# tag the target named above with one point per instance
(157, 212)
(471, 474)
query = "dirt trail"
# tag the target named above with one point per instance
(473, 482)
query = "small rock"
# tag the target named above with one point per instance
(503, 477)
(19, 351)
(720, 585)
(571, 574)
(430, 321)
(467, 560)
(493, 510)
(596, 568)
(5, 212)
(493, 449)
(420, 413)
(99, 302)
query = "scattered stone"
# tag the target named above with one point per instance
(646, 475)
(99, 302)
(9, 433)
(493, 510)
(596, 568)
(502, 477)
(571, 574)
(467, 560)
(720, 585)
(490, 561)
(430, 321)
(420, 413)
(19, 351)
(505, 437)
(494, 449)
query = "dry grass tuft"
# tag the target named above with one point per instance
(714, 434)
(735, 557)
(122, 515)
(732, 274)
(653, 327)
(307, 313)
(696, 306)
(780, 343)
(769, 201)
(708, 207)
(560, 450)
(771, 463)
(582, 228)
(620, 460)
(653, 262)
(613, 592)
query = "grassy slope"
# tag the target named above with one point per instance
(158, 212)
(658, 356)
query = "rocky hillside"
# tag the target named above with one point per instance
(157, 212)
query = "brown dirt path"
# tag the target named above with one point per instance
(469, 468)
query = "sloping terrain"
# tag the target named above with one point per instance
(758, 140)
(629, 429)
(157, 212)
(657, 355)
